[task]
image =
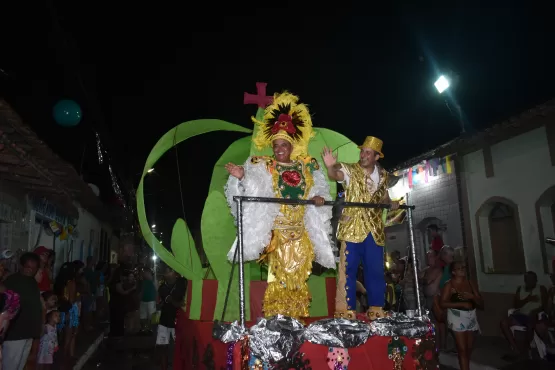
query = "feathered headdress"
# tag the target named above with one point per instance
(285, 119)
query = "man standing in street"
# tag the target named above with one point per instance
(27, 325)
(172, 296)
(361, 230)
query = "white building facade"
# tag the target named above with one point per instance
(496, 201)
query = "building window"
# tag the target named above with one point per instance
(500, 238)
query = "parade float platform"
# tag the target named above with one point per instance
(394, 343)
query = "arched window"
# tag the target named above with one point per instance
(499, 235)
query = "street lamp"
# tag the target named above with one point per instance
(150, 170)
(154, 257)
(442, 84)
(154, 226)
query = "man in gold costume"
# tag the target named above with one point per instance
(361, 230)
(287, 237)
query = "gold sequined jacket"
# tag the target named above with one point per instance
(356, 223)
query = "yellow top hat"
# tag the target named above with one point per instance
(373, 143)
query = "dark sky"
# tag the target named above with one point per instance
(138, 69)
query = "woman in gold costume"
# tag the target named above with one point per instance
(287, 237)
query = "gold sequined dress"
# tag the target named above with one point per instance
(292, 236)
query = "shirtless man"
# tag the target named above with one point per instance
(431, 276)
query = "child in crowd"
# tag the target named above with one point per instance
(148, 300)
(48, 341)
(50, 300)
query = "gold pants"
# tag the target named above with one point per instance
(290, 256)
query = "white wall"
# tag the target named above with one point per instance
(397, 238)
(522, 173)
(89, 235)
(435, 199)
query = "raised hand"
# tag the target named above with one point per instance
(235, 171)
(329, 159)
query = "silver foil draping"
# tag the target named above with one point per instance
(277, 337)
(227, 332)
(274, 338)
(399, 324)
(340, 333)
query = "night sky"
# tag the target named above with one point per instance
(138, 69)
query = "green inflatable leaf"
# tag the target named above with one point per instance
(218, 231)
(181, 236)
(185, 261)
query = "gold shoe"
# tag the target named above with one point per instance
(349, 315)
(374, 313)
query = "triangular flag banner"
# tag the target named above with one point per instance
(409, 174)
(434, 163)
(426, 171)
(448, 164)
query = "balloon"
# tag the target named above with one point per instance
(67, 113)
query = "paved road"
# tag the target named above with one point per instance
(137, 353)
(133, 353)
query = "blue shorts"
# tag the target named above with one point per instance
(70, 318)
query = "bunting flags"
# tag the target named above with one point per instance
(426, 171)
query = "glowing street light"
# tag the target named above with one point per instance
(154, 226)
(154, 257)
(442, 84)
(150, 170)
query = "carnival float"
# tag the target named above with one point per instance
(221, 325)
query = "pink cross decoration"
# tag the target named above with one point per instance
(260, 98)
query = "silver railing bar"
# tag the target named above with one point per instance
(240, 199)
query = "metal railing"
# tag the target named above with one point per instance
(239, 248)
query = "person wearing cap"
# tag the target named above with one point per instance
(361, 230)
